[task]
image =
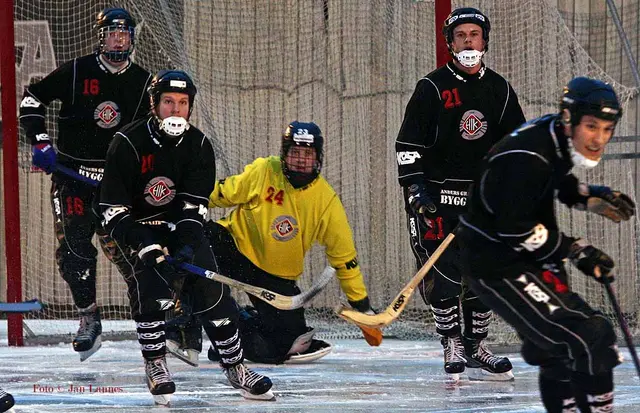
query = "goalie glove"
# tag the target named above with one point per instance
(591, 261)
(421, 204)
(601, 200)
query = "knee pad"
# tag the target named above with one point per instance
(602, 354)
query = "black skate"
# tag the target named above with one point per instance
(482, 364)
(184, 339)
(252, 385)
(159, 380)
(88, 340)
(6, 401)
(454, 359)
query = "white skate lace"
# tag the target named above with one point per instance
(157, 370)
(455, 350)
(243, 376)
(486, 356)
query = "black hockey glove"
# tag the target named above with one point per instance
(184, 254)
(364, 306)
(421, 203)
(591, 261)
(613, 205)
(153, 256)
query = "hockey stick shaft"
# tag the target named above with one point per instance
(282, 302)
(21, 307)
(400, 302)
(623, 323)
(75, 175)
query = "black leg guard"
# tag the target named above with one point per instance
(598, 391)
(555, 391)
(446, 315)
(151, 329)
(225, 336)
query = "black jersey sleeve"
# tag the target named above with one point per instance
(512, 115)
(512, 189)
(193, 194)
(116, 194)
(568, 191)
(37, 96)
(144, 105)
(418, 132)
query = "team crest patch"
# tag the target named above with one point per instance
(284, 228)
(473, 126)
(107, 115)
(159, 191)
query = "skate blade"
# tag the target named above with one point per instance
(163, 400)
(452, 379)
(96, 346)
(188, 355)
(268, 395)
(480, 374)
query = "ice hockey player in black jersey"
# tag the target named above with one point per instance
(158, 176)
(99, 93)
(513, 252)
(456, 113)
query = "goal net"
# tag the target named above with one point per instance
(350, 66)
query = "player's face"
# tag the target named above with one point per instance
(173, 104)
(591, 135)
(467, 36)
(301, 159)
(117, 40)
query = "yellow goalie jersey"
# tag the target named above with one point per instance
(274, 224)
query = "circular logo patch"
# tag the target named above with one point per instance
(159, 191)
(284, 228)
(107, 115)
(473, 126)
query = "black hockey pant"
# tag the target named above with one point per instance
(75, 224)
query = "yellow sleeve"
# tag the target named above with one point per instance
(239, 189)
(336, 235)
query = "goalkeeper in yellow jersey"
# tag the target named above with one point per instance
(283, 205)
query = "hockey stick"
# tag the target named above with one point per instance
(623, 322)
(282, 302)
(75, 175)
(21, 307)
(400, 302)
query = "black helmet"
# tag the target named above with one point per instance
(586, 96)
(171, 81)
(111, 19)
(466, 15)
(305, 134)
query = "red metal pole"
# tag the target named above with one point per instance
(10, 169)
(443, 9)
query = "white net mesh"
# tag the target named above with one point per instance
(349, 66)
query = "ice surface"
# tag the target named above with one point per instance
(399, 376)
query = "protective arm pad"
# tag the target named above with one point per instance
(540, 243)
(32, 117)
(120, 226)
(189, 227)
